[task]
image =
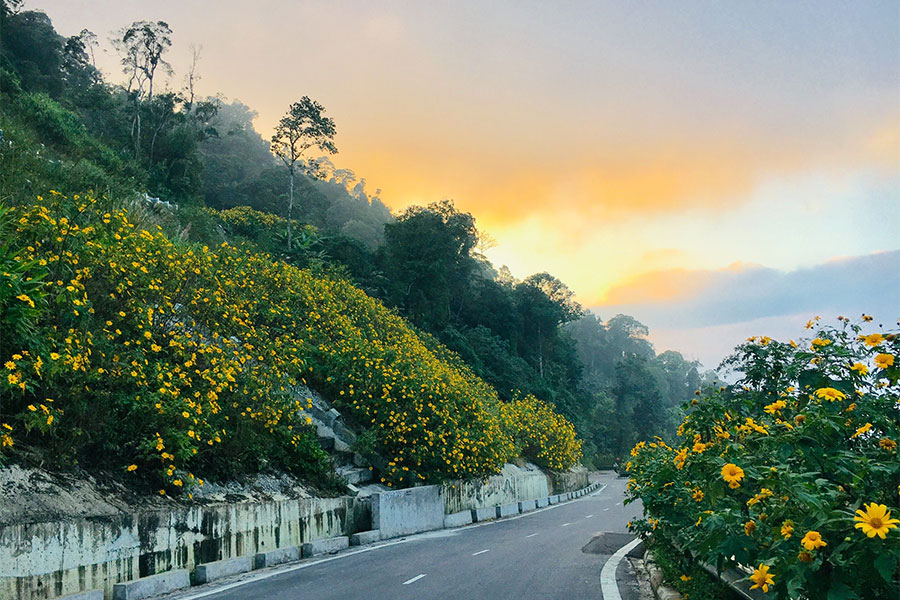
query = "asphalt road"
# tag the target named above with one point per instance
(548, 553)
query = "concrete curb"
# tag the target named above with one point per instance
(527, 505)
(218, 569)
(154, 585)
(662, 592)
(457, 519)
(276, 557)
(507, 510)
(480, 515)
(365, 537)
(87, 595)
(326, 546)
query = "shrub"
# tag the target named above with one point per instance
(772, 472)
(173, 359)
(540, 434)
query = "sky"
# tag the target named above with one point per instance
(715, 169)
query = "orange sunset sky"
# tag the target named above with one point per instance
(716, 169)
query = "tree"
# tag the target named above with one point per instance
(427, 255)
(141, 47)
(303, 127)
(545, 303)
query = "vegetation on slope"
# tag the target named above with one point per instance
(154, 355)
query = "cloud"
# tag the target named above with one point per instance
(706, 312)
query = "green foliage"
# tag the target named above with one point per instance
(805, 440)
(683, 573)
(22, 294)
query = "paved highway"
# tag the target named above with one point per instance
(544, 554)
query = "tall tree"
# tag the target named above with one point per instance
(545, 303)
(141, 47)
(427, 255)
(303, 127)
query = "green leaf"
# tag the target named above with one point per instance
(840, 591)
(885, 565)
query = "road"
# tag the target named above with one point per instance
(544, 554)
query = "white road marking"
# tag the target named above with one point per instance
(414, 579)
(589, 516)
(605, 509)
(566, 524)
(532, 535)
(481, 552)
(608, 588)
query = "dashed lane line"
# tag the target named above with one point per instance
(589, 516)
(414, 579)
(481, 552)
(566, 524)
(532, 535)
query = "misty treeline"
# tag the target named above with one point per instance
(64, 127)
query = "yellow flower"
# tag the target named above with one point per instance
(131, 468)
(819, 342)
(178, 483)
(876, 520)
(685, 578)
(887, 444)
(883, 361)
(860, 368)
(26, 299)
(697, 494)
(787, 528)
(775, 406)
(762, 578)
(749, 527)
(733, 475)
(830, 394)
(872, 339)
(812, 540)
(861, 430)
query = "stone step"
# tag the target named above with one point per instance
(356, 475)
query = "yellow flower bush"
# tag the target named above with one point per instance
(540, 434)
(174, 358)
(801, 443)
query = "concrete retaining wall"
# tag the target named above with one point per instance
(403, 512)
(511, 485)
(51, 559)
(573, 479)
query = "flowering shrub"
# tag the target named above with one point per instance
(540, 434)
(792, 471)
(172, 359)
(253, 224)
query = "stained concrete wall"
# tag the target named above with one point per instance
(46, 560)
(514, 483)
(575, 478)
(402, 512)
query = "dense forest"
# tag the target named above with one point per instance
(199, 162)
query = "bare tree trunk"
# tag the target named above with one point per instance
(540, 353)
(290, 207)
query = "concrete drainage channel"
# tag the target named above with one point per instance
(399, 513)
